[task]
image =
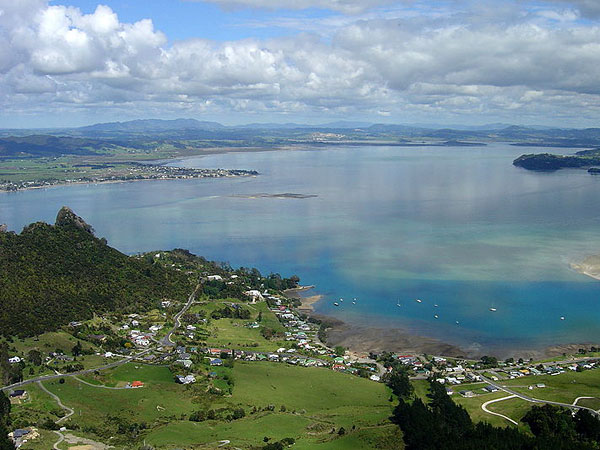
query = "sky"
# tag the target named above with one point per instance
(470, 62)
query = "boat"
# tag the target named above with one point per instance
(341, 300)
(336, 304)
(354, 301)
(457, 322)
(436, 316)
(493, 309)
(419, 300)
(435, 306)
(562, 317)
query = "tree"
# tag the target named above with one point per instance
(339, 350)
(77, 349)
(400, 384)
(587, 425)
(550, 421)
(35, 357)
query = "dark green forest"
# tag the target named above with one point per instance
(53, 274)
(442, 424)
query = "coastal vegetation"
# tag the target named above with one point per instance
(551, 162)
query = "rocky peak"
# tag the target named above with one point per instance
(66, 216)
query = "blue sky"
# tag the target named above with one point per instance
(74, 62)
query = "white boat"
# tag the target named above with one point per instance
(336, 304)
(457, 322)
(435, 306)
(562, 317)
(419, 300)
(354, 301)
(341, 299)
(493, 309)
(436, 316)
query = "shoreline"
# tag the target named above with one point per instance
(72, 183)
(361, 340)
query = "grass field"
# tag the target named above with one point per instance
(232, 333)
(515, 408)
(316, 401)
(49, 342)
(564, 388)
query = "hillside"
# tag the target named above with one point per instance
(53, 274)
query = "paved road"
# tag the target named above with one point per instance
(74, 374)
(484, 407)
(167, 341)
(537, 400)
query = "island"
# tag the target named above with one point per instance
(548, 162)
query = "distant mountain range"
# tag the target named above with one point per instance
(143, 131)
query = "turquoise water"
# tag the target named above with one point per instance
(457, 227)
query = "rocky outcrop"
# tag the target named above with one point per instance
(66, 217)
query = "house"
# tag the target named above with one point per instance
(165, 303)
(137, 384)
(214, 278)
(254, 295)
(467, 394)
(490, 388)
(375, 378)
(190, 327)
(142, 341)
(216, 362)
(18, 394)
(14, 360)
(109, 354)
(97, 337)
(187, 363)
(188, 379)
(19, 433)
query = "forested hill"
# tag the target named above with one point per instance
(53, 274)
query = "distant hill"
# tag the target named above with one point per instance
(153, 125)
(53, 274)
(45, 145)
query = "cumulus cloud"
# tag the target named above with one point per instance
(57, 58)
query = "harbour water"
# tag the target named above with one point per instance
(459, 227)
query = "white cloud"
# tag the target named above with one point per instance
(57, 58)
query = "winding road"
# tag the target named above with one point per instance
(484, 407)
(167, 341)
(70, 412)
(537, 400)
